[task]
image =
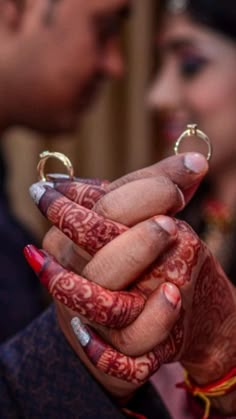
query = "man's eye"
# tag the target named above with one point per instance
(108, 28)
(192, 66)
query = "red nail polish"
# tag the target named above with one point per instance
(34, 257)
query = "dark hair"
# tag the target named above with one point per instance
(220, 15)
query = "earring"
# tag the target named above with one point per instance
(45, 155)
(191, 131)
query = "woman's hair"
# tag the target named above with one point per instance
(220, 15)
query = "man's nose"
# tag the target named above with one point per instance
(165, 92)
(112, 61)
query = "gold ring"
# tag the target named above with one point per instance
(192, 130)
(45, 155)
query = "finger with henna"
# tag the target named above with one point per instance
(153, 325)
(164, 188)
(83, 226)
(61, 177)
(80, 192)
(75, 291)
(133, 369)
(123, 261)
(108, 308)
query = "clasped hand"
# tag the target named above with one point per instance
(144, 282)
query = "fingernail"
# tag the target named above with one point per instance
(80, 331)
(37, 190)
(58, 177)
(167, 224)
(91, 343)
(172, 294)
(34, 257)
(195, 162)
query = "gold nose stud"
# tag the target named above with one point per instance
(45, 155)
(193, 131)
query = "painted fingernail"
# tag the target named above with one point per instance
(172, 294)
(167, 224)
(58, 177)
(195, 162)
(37, 190)
(80, 331)
(93, 346)
(34, 257)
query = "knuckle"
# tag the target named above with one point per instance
(102, 207)
(125, 342)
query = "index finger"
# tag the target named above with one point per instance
(84, 227)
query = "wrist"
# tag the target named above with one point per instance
(219, 395)
(196, 407)
(225, 404)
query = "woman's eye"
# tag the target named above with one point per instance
(191, 66)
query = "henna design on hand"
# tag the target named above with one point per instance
(135, 370)
(108, 308)
(213, 320)
(208, 299)
(83, 226)
(204, 330)
(83, 194)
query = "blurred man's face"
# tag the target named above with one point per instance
(61, 52)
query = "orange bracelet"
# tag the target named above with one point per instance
(216, 389)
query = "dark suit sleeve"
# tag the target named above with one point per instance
(41, 377)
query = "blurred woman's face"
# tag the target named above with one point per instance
(196, 83)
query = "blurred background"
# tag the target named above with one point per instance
(116, 137)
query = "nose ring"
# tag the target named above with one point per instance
(191, 131)
(45, 155)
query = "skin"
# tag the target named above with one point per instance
(83, 226)
(49, 98)
(52, 95)
(196, 83)
(170, 185)
(59, 35)
(202, 327)
(104, 268)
